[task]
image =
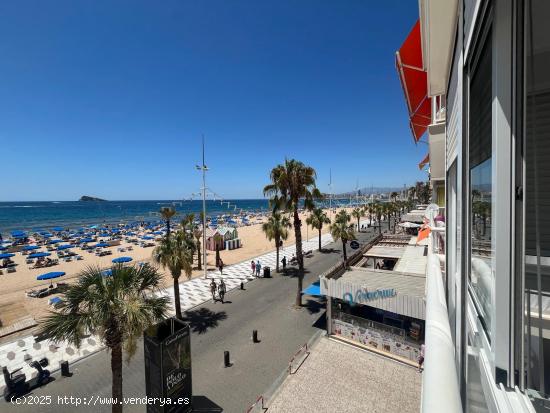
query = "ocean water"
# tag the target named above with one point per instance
(73, 214)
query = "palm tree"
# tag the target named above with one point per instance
(342, 230)
(176, 254)
(393, 196)
(357, 213)
(117, 308)
(167, 213)
(317, 219)
(378, 210)
(197, 233)
(276, 228)
(291, 183)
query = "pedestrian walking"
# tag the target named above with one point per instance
(213, 289)
(283, 261)
(421, 358)
(258, 268)
(221, 290)
(221, 266)
(253, 266)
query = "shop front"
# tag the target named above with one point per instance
(383, 311)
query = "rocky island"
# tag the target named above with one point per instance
(90, 198)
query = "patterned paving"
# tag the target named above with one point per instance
(192, 293)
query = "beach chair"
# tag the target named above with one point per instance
(11, 269)
(79, 257)
(29, 261)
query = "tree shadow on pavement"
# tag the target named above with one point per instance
(203, 319)
(330, 251)
(293, 272)
(314, 306)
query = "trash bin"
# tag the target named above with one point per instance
(267, 272)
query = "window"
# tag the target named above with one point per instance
(537, 196)
(481, 276)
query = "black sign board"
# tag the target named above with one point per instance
(354, 245)
(167, 348)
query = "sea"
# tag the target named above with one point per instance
(28, 216)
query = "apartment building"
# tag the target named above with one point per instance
(476, 79)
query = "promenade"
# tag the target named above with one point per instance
(265, 305)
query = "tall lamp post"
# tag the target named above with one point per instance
(203, 168)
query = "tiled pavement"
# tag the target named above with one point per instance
(192, 293)
(362, 380)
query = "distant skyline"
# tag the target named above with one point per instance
(110, 99)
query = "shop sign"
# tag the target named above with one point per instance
(364, 295)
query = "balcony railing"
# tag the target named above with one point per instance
(440, 390)
(438, 109)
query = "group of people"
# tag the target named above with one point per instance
(220, 289)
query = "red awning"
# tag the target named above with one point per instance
(424, 162)
(414, 80)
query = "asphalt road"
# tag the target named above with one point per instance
(265, 305)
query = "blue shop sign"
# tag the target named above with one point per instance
(364, 295)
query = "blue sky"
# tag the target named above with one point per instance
(110, 98)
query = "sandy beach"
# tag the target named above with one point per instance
(15, 305)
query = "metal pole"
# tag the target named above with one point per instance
(204, 212)
(203, 168)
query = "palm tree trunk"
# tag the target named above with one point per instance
(320, 239)
(358, 229)
(345, 253)
(277, 254)
(299, 256)
(199, 255)
(116, 371)
(167, 228)
(177, 303)
(379, 224)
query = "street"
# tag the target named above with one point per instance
(265, 305)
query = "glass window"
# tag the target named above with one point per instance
(537, 196)
(481, 275)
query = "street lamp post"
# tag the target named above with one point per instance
(203, 168)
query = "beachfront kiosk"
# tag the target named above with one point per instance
(381, 310)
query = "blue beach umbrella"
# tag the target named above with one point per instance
(50, 275)
(18, 234)
(101, 245)
(2, 248)
(54, 241)
(39, 255)
(64, 247)
(6, 255)
(58, 229)
(147, 237)
(48, 235)
(120, 260)
(107, 273)
(30, 247)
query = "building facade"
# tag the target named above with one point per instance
(486, 66)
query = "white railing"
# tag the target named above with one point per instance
(438, 109)
(440, 390)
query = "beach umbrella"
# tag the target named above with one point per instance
(18, 234)
(30, 247)
(120, 260)
(48, 235)
(81, 240)
(147, 237)
(107, 273)
(58, 229)
(54, 241)
(6, 255)
(50, 275)
(39, 255)
(158, 233)
(64, 247)
(101, 245)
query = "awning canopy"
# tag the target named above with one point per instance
(424, 162)
(414, 79)
(314, 289)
